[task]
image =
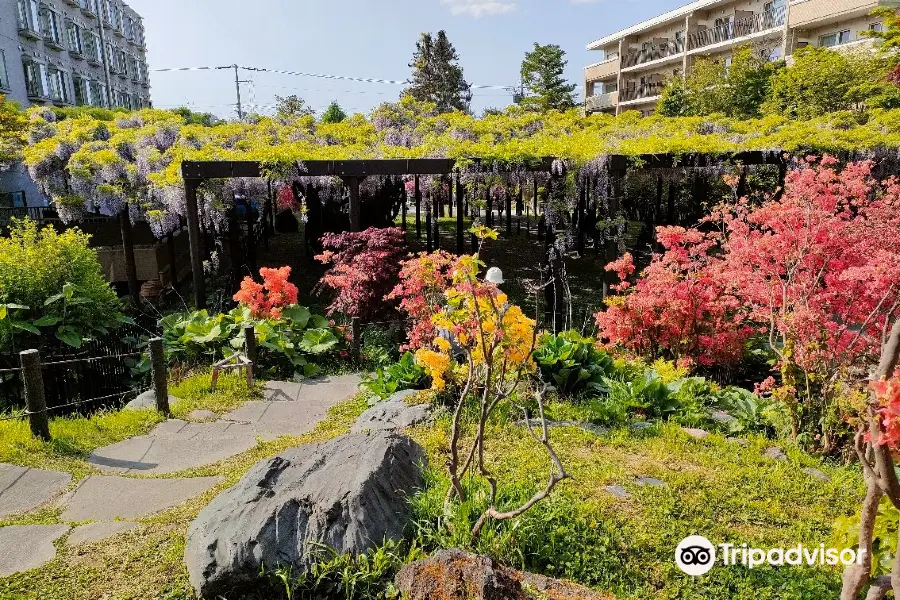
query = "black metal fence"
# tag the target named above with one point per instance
(104, 373)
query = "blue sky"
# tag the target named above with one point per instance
(360, 38)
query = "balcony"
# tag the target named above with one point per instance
(641, 92)
(653, 53)
(737, 28)
(602, 70)
(601, 102)
(89, 8)
(28, 31)
(808, 12)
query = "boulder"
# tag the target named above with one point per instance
(775, 453)
(393, 414)
(697, 434)
(148, 400)
(349, 494)
(456, 575)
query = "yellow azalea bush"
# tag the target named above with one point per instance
(484, 348)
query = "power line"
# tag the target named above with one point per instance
(319, 76)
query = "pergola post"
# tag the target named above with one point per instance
(418, 193)
(449, 179)
(428, 212)
(193, 221)
(460, 216)
(508, 212)
(134, 291)
(355, 205)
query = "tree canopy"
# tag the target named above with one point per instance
(542, 75)
(437, 76)
(822, 81)
(292, 107)
(737, 90)
(333, 114)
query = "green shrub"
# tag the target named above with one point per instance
(573, 363)
(402, 375)
(51, 285)
(285, 344)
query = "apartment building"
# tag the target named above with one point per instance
(69, 53)
(637, 61)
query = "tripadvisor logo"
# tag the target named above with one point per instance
(696, 555)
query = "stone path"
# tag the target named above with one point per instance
(23, 488)
(110, 500)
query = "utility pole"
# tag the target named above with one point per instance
(237, 84)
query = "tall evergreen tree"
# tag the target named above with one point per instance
(334, 113)
(437, 76)
(542, 75)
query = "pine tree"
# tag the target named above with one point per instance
(334, 113)
(437, 76)
(542, 75)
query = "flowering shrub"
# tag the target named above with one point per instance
(364, 269)
(269, 298)
(680, 308)
(497, 341)
(423, 281)
(285, 199)
(816, 272)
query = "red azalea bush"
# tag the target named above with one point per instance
(816, 272)
(423, 281)
(267, 300)
(364, 270)
(680, 307)
(285, 199)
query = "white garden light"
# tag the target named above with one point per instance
(495, 276)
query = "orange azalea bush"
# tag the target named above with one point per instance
(268, 299)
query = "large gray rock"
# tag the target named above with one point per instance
(393, 414)
(349, 494)
(148, 400)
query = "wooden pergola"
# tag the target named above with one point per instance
(354, 171)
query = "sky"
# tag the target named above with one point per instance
(372, 39)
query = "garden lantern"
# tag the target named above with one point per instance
(495, 276)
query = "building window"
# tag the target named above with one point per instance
(57, 79)
(73, 37)
(29, 15)
(129, 28)
(35, 79)
(609, 88)
(50, 25)
(82, 91)
(4, 78)
(98, 94)
(876, 27)
(123, 62)
(834, 39)
(775, 54)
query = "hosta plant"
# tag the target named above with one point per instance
(573, 363)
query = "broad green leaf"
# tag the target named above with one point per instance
(47, 321)
(25, 326)
(70, 336)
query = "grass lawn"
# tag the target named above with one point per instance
(623, 546)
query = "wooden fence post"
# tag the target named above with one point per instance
(34, 394)
(160, 375)
(356, 333)
(250, 346)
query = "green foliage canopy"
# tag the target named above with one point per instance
(711, 87)
(542, 75)
(823, 81)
